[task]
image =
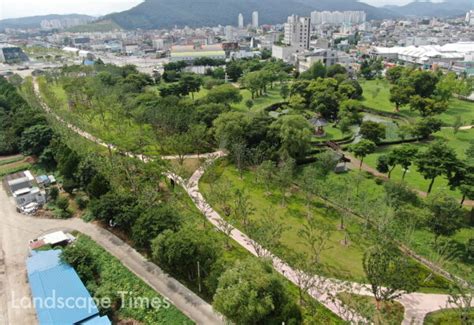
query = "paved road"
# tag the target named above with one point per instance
(15, 232)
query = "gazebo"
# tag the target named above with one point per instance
(319, 124)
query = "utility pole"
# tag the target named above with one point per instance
(199, 276)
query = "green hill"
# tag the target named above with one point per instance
(153, 14)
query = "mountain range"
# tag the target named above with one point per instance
(193, 13)
(155, 14)
(450, 8)
(152, 14)
(35, 21)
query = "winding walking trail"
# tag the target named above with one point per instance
(416, 305)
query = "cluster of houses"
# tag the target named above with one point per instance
(28, 192)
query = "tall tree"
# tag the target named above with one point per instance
(389, 273)
(252, 293)
(436, 161)
(362, 149)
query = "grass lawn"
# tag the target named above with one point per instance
(459, 142)
(389, 313)
(188, 167)
(377, 94)
(339, 261)
(332, 133)
(190, 213)
(259, 103)
(445, 317)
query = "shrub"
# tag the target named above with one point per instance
(53, 193)
(82, 202)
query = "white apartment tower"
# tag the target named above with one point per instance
(241, 21)
(255, 19)
(470, 18)
(338, 17)
(297, 32)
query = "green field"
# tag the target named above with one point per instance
(294, 213)
(459, 142)
(389, 313)
(445, 317)
(377, 94)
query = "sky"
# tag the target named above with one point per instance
(24, 8)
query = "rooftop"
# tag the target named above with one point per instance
(50, 278)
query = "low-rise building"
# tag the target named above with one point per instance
(12, 54)
(192, 52)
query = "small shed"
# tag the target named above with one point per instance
(43, 180)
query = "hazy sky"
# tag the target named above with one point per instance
(22, 8)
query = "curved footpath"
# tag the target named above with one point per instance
(15, 232)
(416, 305)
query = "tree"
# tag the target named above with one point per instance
(285, 176)
(428, 106)
(266, 173)
(389, 273)
(116, 209)
(325, 98)
(224, 94)
(294, 134)
(362, 149)
(266, 233)
(404, 156)
(181, 144)
(425, 127)
(239, 154)
(234, 70)
(153, 222)
(317, 70)
(386, 164)
(98, 186)
(372, 131)
(243, 208)
(284, 91)
(252, 293)
(249, 104)
(437, 160)
(187, 253)
(446, 215)
(394, 74)
(335, 70)
(315, 236)
(400, 95)
(35, 139)
(190, 83)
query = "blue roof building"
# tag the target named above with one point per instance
(59, 296)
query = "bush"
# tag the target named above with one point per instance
(69, 185)
(53, 193)
(82, 202)
(62, 203)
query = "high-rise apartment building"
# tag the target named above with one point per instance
(338, 17)
(241, 21)
(470, 18)
(297, 31)
(255, 19)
